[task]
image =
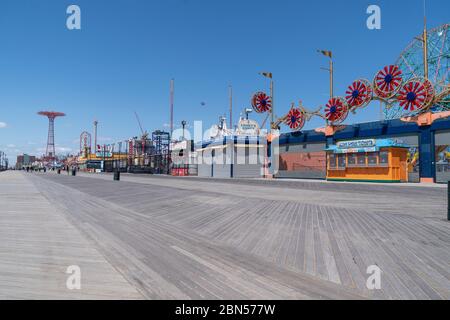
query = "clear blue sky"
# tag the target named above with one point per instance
(127, 51)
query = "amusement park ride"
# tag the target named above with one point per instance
(414, 89)
(85, 144)
(50, 158)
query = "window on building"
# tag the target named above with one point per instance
(351, 159)
(341, 161)
(361, 159)
(384, 158)
(332, 160)
(372, 158)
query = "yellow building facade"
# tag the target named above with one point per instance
(370, 160)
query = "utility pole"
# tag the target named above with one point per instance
(329, 54)
(95, 134)
(331, 78)
(172, 88)
(231, 106)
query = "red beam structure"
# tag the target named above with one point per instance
(51, 115)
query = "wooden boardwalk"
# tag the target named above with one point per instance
(38, 243)
(195, 239)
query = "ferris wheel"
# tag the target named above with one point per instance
(411, 69)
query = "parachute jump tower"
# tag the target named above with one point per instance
(50, 150)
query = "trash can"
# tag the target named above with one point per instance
(116, 175)
(59, 171)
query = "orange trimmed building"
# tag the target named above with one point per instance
(371, 160)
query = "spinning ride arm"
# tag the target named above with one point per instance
(296, 117)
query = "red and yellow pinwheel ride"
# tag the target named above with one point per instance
(261, 102)
(359, 94)
(336, 110)
(416, 95)
(295, 119)
(388, 81)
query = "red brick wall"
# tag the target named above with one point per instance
(303, 161)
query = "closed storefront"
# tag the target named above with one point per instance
(254, 155)
(204, 163)
(304, 160)
(232, 157)
(222, 167)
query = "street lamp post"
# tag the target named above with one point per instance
(329, 54)
(183, 124)
(331, 78)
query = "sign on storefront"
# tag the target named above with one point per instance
(357, 144)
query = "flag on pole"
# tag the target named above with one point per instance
(326, 53)
(266, 74)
